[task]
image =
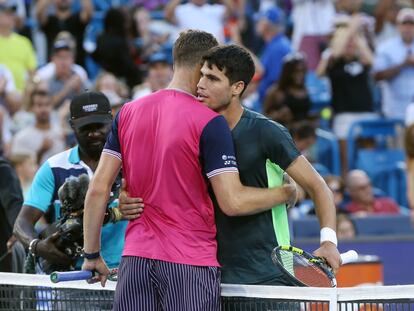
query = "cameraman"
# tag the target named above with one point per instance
(90, 118)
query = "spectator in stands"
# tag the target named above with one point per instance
(345, 227)
(288, 101)
(277, 46)
(66, 82)
(409, 150)
(201, 15)
(159, 75)
(386, 20)
(62, 18)
(145, 38)
(353, 8)
(11, 199)
(394, 66)
(312, 22)
(48, 71)
(113, 89)
(25, 165)
(113, 50)
(9, 102)
(7, 88)
(347, 63)
(363, 202)
(44, 138)
(16, 51)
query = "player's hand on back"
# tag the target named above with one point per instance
(130, 208)
(289, 182)
(329, 251)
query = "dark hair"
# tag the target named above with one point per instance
(114, 22)
(235, 61)
(191, 46)
(290, 62)
(303, 130)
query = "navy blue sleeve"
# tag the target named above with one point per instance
(112, 145)
(217, 149)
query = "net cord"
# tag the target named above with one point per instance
(331, 295)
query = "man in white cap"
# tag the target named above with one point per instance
(394, 66)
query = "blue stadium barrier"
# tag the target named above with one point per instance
(375, 225)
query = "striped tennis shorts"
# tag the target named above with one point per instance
(155, 285)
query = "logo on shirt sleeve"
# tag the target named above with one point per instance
(229, 160)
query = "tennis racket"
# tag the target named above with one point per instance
(58, 276)
(304, 269)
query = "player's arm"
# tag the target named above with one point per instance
(94, 212)
(235, 199)
(220, 166)
(306, 176)
(169, 11)
(95, 203)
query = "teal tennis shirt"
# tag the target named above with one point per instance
(264, 149)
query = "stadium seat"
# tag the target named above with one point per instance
(327, 151)
(382, 131)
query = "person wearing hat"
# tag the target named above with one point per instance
(394, 66)
(277, 46)
(90, 118)
(16, 51)
(159, 75)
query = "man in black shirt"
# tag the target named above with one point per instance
(64, 19)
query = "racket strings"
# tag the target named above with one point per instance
(307, 272)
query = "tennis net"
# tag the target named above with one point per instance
(36, 292)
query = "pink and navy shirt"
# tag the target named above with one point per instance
(170, 144)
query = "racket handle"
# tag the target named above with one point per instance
(349, 256)
(57, 276)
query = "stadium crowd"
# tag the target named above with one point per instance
(321, 66)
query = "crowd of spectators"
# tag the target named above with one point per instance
(52, 50)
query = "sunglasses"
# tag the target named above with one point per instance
(407, 22)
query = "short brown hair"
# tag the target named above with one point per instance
(191, 46)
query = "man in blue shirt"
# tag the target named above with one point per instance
(91, 120)
(269, 27)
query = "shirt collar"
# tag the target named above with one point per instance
(74, 157)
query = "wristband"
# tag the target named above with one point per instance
(91, 256)
(328, 234)
(32, 246)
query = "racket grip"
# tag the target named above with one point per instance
(349, 256)
(57, 276)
